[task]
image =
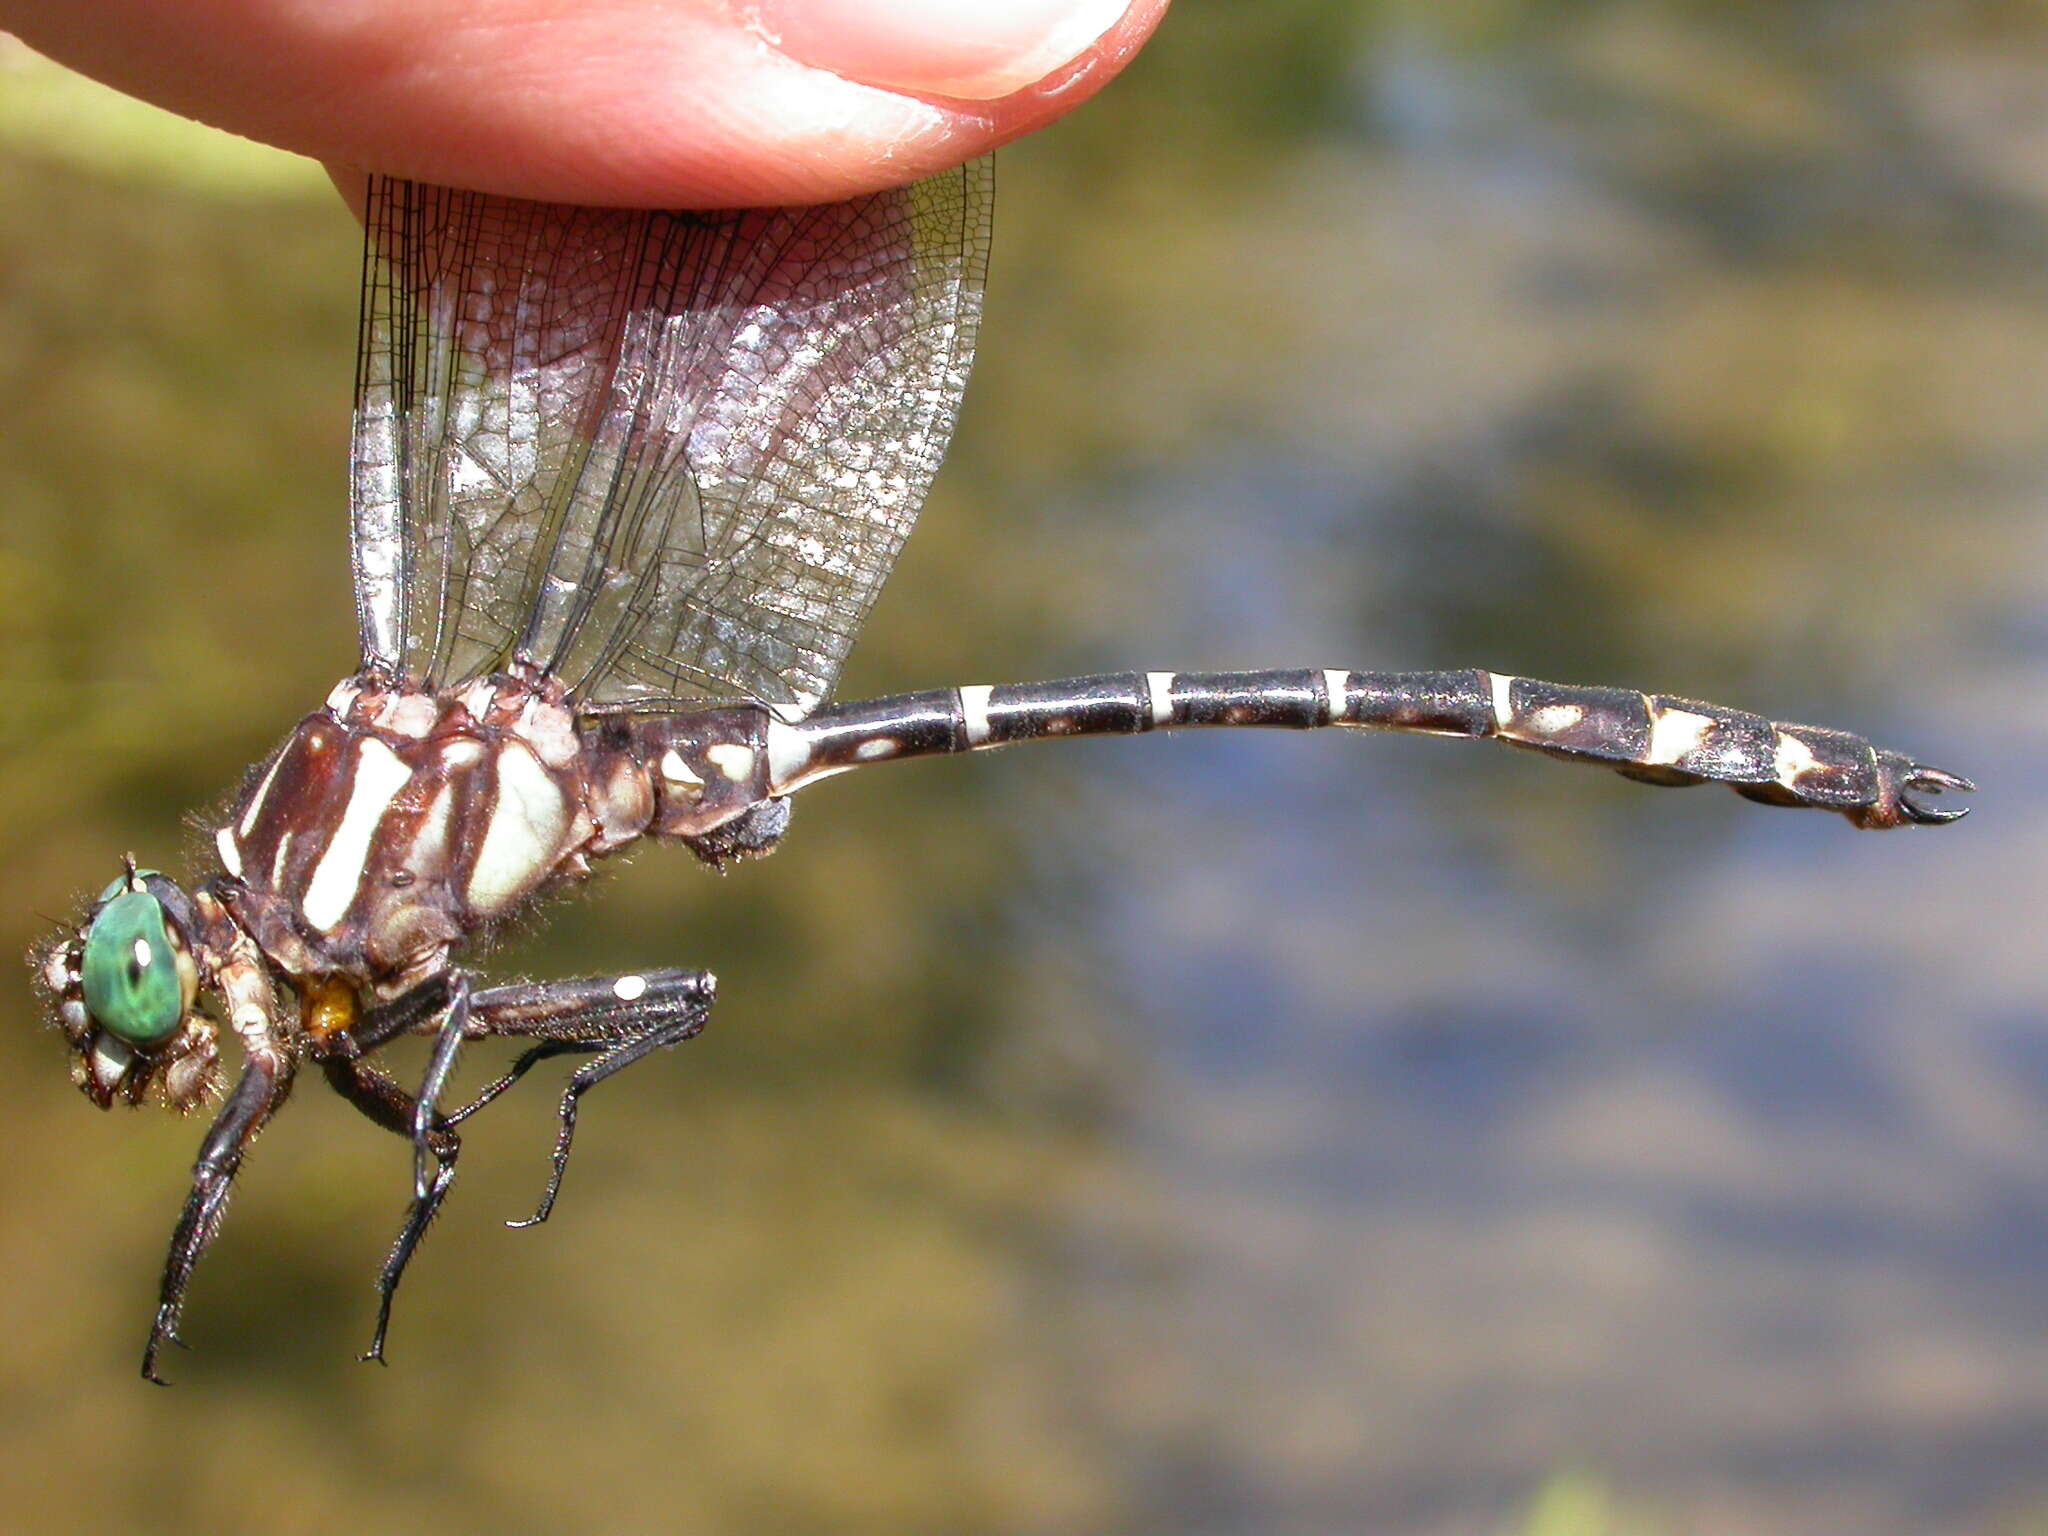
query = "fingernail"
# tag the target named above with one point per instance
(974, 49)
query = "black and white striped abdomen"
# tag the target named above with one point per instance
(1653, 737)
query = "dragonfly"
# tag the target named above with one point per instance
(625, 484)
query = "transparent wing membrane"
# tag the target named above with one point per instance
(669, 457)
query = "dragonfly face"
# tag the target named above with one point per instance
(124, 990)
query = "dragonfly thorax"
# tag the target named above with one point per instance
(395, 823)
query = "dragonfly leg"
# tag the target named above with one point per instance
(447, 1042)
(386, 1104)
(619, 1019)
(405, 1014)
(266, 1080)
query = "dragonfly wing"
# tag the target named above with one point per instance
(669, 457)
(479, 356)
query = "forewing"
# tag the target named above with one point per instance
(670, 457)
(487, 333)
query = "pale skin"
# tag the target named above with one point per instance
(639, 103)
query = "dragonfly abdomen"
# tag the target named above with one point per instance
(1651, 737)
(710, 774)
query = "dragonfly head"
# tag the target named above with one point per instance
(124, 987)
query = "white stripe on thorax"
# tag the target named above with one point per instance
(524, 834)
(428, 855)
(248, 822)
(379, 776)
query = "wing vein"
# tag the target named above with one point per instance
(668, 457)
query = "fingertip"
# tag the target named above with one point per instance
(646, 103)
(938, 47)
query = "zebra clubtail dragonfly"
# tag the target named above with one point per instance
(624, 486)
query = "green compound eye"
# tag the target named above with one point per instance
(132, 986)
(116, 887)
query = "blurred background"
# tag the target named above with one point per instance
(1213, 1134)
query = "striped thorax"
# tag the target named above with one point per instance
(393, 823)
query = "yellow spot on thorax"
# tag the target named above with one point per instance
(328, 1007)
